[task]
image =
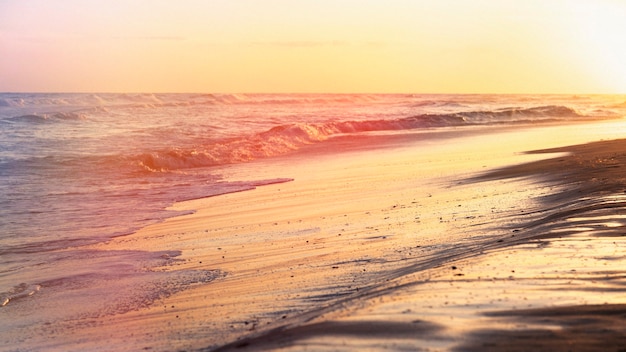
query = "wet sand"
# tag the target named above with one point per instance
(458, 242)
(556, 283)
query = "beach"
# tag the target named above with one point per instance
(207, 176)
(555, 282)
(458, 242)
(547, 275)
(456, 238)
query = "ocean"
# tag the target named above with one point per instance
(81, 169)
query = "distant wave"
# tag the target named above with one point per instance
(286, 138)
(65, 101)
(126, 100)
(42, 118)
(513, 115)
(151, 100)
(8, 103)
(30, 118)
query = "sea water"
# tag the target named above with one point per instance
(78, 169)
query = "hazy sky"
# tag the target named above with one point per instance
(386, 46)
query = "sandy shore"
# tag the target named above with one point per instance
(556, 283)
(425, 242)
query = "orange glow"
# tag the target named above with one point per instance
(449, 46)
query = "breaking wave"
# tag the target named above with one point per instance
(286, 138)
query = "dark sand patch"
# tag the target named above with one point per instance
(571, 328)
(370, 329)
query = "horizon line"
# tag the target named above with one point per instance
(303, 93)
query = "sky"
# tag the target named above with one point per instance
(313, 46)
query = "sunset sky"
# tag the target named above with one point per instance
(327, 46)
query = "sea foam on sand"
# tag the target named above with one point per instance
(407, 245)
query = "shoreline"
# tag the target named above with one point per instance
(328, 258)
(555, 284)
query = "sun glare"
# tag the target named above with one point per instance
(600, 30)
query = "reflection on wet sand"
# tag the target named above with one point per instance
(556, 283)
